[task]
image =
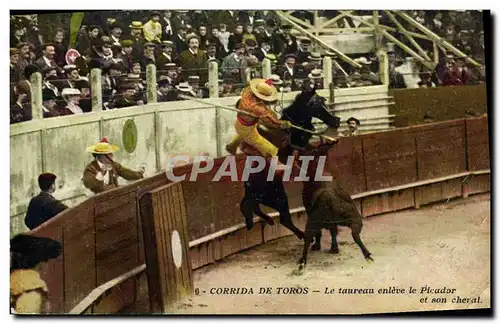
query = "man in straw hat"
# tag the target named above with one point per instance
(72, 98)
(102, 173)
(315, 79)
(256, 100)
(43, 206)
(137, 38)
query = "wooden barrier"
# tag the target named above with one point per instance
(442, 103)
(168, 261)
(103, 237)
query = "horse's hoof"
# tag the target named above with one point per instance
(369, 258)
(316, 247)
(334, 251)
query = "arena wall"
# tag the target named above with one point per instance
(384, 172)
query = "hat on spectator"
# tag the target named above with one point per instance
(290, 55)
(170, 66)
(48, 69)
(315, 74)
(263, 90)
(314, 56)
(250, 42)
(363, 60)
(276, 79)
(82, 84)
(103, 147)
(28, 251)
(136, 25)
(185, 87)
(259, 22)
(154, 13)
(149, 44)
(191, 36)
(353, 119)
(127, 43)
(238, 46)
(70, 92)
(14, 51)
(115, 25)
(193, 78)
(105, 41)
(305, 40)
(45, 180)
(167, 43)
(22, 44)
(211, 45)
(48, 94)
(163, 82)
(70, 68)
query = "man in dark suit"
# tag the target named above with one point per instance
(47, 60)
(193, 60)
(165, 56)
(180, 39)
(236, 37)
(44, 206)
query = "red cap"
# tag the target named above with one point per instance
(104, 140)
(269, 82)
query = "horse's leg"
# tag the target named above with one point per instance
(309, 234)
(247, 206)
(334, 248)
(356, 230)
(263, 215)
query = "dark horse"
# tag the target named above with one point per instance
(272, 193)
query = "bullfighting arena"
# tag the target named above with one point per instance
(442, 245)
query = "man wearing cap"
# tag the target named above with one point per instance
(165, 56)
(25, 57)
(149, 56)
(43, 207)
(194, 82)
(102, 173)
(152, 29)
(283, 41)
(180, 40)
(126, 53)
(250, 49)
(126, 96)
(288, 71)
(172, 75)
(303, 53)
(166, 91)
(233, 66)
(21, 110)
(136, 36)
(72, 75)
(352, 127)
(15, 72)
(49, 104)
(315, 79)
(193, 60)
(256, 100)
(236, 37)
(115, 33)
(204, 37)
(211, 54)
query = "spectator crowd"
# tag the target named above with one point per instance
(181, 44)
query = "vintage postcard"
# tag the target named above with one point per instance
(261, 162)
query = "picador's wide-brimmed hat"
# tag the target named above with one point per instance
(264, 90)
(103, 147)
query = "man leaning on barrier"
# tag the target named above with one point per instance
(102, 173)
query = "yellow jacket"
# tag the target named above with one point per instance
(152, 31)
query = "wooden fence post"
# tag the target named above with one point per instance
(36, 96)
(213, 79)
(151, 86)
(96, 89)
(327, 72)
(266, 68)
